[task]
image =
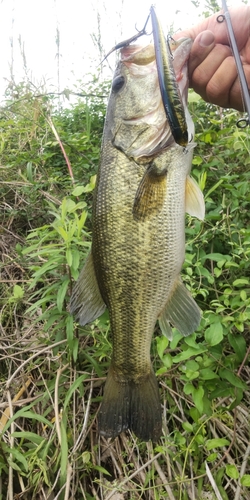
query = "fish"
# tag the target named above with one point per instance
(142, 192)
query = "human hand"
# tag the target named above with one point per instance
(212, 69)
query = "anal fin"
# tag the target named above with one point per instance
(181, 311)
(86, 303)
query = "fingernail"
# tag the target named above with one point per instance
(206, 39)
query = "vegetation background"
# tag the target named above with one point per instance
(52, 371)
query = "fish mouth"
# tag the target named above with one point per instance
(148, 118)
(169, 88)
(137, 54)
(154, 134)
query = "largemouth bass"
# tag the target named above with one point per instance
(143, 190)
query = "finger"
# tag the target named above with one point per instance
(223, 88)
(219, 87)
(205, 71)
(202, 46)
(236, 99)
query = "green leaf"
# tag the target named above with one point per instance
(29, 170)
(216, 443)
(61, 294)
(67, 206)
(69, 257)
(188, 353)
(198, 398)
(191, 375)
(187, 427)
(162, 343)
(232, 378)
(217, 257)
(243, 295)
(207, 374)
(221, 392)
(14, 465)
(34, 416)
(69, 328)
(167, 360)
(29, 436)
(86, 456)
(192, 365)
(241, 282)
(238, 393)
(197, 160)
(188, 388)
(64, 450)
(94, 363)
(75, 259)
(212, 457)
(232, 471)
(238, 344)
(210, 191)
(62, 232)
(78, 190)
(191, 341)
(214, 334)
(245, 480)
(177, 336)
(19, 457)
(193, 97)
(81, 222)
(74, 349)
(73, 388)
(101, 469)
(25, 413)
(18, 292)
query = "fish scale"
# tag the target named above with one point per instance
(143, 189)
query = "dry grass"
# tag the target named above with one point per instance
(54, 428)
(36, 374)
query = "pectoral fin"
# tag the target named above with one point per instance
(150, 195)
(86, 303)
(195, 204)
(181, 311)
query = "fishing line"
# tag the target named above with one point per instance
(243, 122)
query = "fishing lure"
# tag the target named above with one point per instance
(170, 93)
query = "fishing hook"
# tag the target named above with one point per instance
(143, 31)
(169, 39)
(127, 42)
(238, 62)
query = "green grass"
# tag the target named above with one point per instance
(53, 371)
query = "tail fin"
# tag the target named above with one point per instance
(131, 405)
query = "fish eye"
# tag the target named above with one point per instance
(118, 83)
